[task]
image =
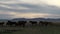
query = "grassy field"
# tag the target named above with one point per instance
(30, 30)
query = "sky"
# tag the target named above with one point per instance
(29, 9)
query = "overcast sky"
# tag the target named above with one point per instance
(29, 9)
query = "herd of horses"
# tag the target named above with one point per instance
(23, 23)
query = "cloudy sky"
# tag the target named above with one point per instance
(29, 9)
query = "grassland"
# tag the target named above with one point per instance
(31, 30)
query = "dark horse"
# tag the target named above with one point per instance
(1, 23)
(33, 22)
(21, 23)
(45, 23)
(11, 23)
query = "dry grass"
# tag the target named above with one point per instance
(31, 30)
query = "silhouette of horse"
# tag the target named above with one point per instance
(45, 23)
(10, 23)
(21, 23)
(33, 22)
(1, 23)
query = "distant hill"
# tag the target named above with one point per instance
(33, 19)
(38, 19)
(3, 20)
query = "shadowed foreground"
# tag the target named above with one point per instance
(30, 30)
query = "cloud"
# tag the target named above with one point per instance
(37, 2)
(51, 2)
(29, 8)
(30, 15)
(10, 15)
(9, 1)
(6, 16)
